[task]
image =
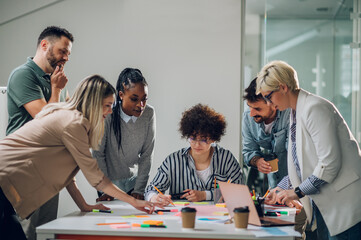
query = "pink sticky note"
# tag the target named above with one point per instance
(115, 226)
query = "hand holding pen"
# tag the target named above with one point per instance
(162, 199)
(194, 195)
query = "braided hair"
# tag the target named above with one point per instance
(127, 77)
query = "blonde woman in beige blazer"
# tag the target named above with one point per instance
(43, 156)
(324, 159)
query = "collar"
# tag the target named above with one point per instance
(30, 63)
(126, 117)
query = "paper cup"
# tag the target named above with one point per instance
(241, 217)
(274, 165)
(188, 217)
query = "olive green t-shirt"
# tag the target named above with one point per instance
(26, 83)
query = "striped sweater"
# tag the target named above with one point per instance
(178, 173)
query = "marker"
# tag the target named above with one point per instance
(229, 180)
(103, 211)
(166, 210)
(152, 225)
(283, 212)
(171, 202)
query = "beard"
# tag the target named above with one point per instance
(258, 119)
(269, 118)
(52, 59)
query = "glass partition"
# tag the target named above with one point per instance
(320, 39)
(316, 38)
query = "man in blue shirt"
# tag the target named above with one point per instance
(264, 131)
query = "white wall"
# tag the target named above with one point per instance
(188, 50)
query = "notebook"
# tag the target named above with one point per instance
(237, 195)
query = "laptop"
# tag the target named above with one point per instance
(238, 195)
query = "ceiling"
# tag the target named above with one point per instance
(306, 9)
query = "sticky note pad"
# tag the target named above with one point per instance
(181, 203)
(129, 216)
(208, 219)
(201, 203)
(221, 213)
(153, 222)
(115, 226)
(223, 205)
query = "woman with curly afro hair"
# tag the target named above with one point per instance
(190, 172)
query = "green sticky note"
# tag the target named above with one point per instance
(129, 216)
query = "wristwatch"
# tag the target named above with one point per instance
(299, 193)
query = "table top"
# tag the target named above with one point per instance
(209, 224)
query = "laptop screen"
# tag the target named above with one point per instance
(237, 195)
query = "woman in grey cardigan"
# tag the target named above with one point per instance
(126, 151)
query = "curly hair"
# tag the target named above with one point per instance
(201, 120)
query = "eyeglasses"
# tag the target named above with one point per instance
(200, 141)
(268, 97)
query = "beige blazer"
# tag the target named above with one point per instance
(43, 156)
(327, 149)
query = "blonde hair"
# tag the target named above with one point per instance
(275, 73)
(87, 99)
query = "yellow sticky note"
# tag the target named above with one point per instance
(181, 203)
(220, 213)
(223, 205)
(153, 222)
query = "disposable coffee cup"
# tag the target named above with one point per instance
(241, 217)
(273, 161)
(188, 217)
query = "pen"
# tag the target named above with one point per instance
(103, 211)
(265, 195)
(229, 180)
(152, 225)
(162, 194)
(166, 210)
(215, 183)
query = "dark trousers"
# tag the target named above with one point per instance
(353, 233)
(10, 227)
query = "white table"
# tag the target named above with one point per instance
(80, 225)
